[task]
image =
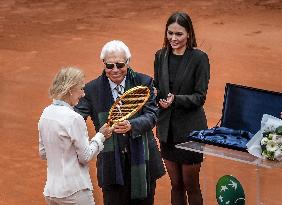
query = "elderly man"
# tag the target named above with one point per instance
(130, 163)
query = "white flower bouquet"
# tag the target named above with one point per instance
(267, 142)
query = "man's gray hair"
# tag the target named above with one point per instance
(115, 46)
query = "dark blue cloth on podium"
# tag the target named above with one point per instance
(226, 137)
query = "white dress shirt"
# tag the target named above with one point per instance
(113, 88)
(64, 142)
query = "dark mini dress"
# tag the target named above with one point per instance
(168, 149)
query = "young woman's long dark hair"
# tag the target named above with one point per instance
(184, 20)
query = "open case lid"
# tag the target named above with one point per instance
(244, 106)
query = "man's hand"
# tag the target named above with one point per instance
(122, 127)
(155, 91)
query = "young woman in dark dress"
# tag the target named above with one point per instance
(181, 75)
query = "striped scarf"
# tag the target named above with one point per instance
(110, 157)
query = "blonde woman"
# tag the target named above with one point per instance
(64, 142)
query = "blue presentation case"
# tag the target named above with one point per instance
(243, 108)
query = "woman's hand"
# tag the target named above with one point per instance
(122, 127)
(165, 103)
(106, 130)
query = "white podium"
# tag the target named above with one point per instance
(261, 179)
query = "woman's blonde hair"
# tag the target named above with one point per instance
(64, 80)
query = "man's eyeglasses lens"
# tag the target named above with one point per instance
(112, 65)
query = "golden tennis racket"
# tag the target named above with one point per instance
(128, 104)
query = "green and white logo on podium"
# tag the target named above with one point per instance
(229, 191)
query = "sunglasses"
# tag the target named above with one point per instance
(112, 65)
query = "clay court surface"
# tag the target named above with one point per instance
(242, 37)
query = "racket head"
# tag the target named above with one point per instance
(128, 104)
